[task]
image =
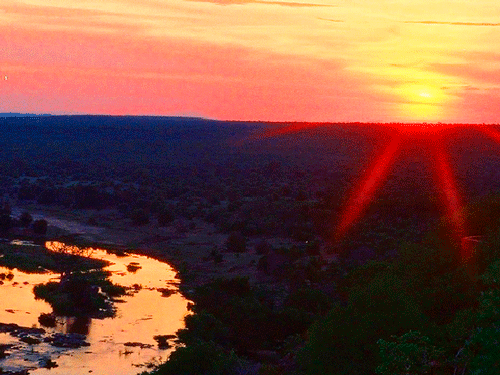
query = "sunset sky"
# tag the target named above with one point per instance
(304, 60)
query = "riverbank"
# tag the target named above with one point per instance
(200, 255)
(193, 247)
(141, 333)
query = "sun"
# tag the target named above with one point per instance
(421, 102)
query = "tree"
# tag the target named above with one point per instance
(25, 219)
(201, 358)
(483, 345)
(139, 217)
(40, 227)
(236, 243)
(5, 223)
(69, 256)
(164, 215)
(378, 306)
(411, 353)
(6, 209)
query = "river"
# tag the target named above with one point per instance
(114, 342)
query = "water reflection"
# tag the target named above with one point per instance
(72, 324)
(141, 315)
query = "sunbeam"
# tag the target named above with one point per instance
(294, 127)
(364, 192)
(446, 183)
(492, 133)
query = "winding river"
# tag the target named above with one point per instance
(122, 345)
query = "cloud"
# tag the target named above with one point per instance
(82, 20)
(470, 72)
(479, 57)
(281, 3)
(61, 72)
(330, 20)
(50, 11)
(454, 23)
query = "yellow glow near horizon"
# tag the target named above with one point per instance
(421, 102)
(314, 60)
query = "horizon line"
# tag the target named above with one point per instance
(398, 123)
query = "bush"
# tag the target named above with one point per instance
(410, 353)
(25, 219)
(139, 217)
(5, 223)
(165, 217)
(236, 243)
(203, 326)
(204, 358)
(40, 227)
(310, 300)
(78, 294)
(263, 248)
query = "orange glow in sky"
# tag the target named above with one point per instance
(270, 60)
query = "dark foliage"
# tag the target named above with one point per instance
(78, 294)
(25, 219)
(40, 227)
(236, 243)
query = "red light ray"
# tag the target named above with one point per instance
(453, 203)
(421, 130)
(492, 133)
(294, 127)
(279, 129)
(377, 173)
(365, 191)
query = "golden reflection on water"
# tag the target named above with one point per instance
(142, 315)
(18, 303)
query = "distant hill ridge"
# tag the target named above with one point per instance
(11, 114)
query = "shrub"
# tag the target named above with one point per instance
(78, 294)
(201, 358)
(308, 299)
(164, 215)
(263, 247)
(5, 223)
(236, 243)
(25, 219)
(139, 217)
(40, 226)
(410, 353)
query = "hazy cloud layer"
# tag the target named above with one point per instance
(266, 60)
(281, 3)
(454, 23)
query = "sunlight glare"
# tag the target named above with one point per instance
(421, 102)
(365, 191)
(421, 130)
(452, 200)
(490, 132)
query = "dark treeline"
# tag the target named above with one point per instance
(142, 163)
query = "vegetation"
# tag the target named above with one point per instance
(37, 259)
(83, 290)
(394, 297)
(80, 294)
(423, 311)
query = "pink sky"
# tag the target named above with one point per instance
(384, 60)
